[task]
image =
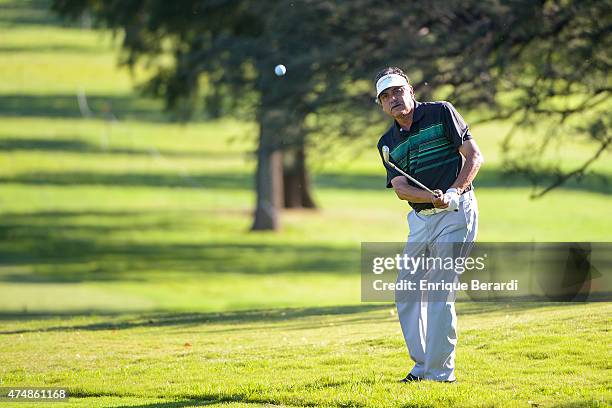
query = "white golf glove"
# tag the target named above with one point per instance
(453, 196)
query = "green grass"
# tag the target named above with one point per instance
(122, 240)
(553, 355)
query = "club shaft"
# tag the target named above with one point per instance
(415, 181)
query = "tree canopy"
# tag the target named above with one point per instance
(521, 60)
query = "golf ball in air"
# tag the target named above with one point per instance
(280, 70)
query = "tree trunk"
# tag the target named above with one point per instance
(268, 178)
(296, 183)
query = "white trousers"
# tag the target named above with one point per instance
(430, 327)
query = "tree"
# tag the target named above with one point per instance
(234, 45)
(534, 62)
(223, 51)
(524, 60)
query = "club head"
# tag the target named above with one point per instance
(385, 153)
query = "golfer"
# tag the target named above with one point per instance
(431, 142)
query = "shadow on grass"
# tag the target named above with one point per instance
(466, 308)
(30, 12)
(183, 403)
(118, 321)
(233, 181)
(196, 400)
(80, 246)
(75, 145)
(123, 107)
(45, 145)
(128, 320)
(50, 48)
(206, 399)
(492, 178)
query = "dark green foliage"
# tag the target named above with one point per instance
(522, 59)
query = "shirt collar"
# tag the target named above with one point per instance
(418, 114)
(418, 111)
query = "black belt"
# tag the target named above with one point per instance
(468, 189)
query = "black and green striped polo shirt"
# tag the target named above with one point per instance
(429, 150)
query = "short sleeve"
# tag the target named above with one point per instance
(391, 173)
(457, 131)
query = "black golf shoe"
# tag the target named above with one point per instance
(410, 378)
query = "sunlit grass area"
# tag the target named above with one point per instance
(520, 355)
(128, 272)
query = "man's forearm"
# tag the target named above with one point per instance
(405, 191)
(468, 171)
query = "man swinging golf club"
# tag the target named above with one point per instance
(431, 160)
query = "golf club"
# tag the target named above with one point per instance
(385, 152)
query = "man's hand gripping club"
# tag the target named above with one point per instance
(448, 201)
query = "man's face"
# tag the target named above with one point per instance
(397, 101)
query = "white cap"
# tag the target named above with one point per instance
(388, 81)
